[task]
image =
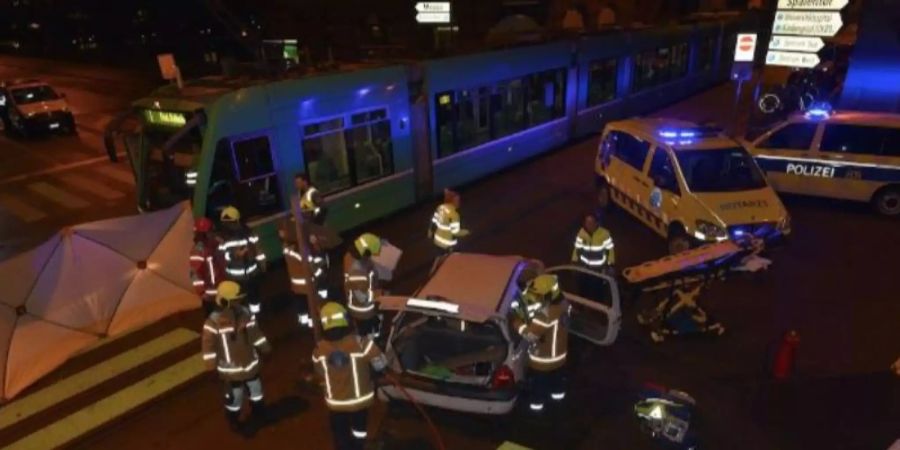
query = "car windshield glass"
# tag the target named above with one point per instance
(719, 170)
(24, 96)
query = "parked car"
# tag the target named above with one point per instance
(30, 106)
(453, 346)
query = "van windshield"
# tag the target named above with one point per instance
(720, 170)
(449, 349)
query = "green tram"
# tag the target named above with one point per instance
(375, 139)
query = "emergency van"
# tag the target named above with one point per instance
(845, 155)
(689, 184)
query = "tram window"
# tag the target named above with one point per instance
(629, 149)
(253, 158)
(852, 139)
(659, 66)
(444, 109)
(222, 186)
(706, 53)
(257, 192)
(325, 155)
(601, 81)
(545, 96)
(472, 126)
(507, 108)
(370, 146)
(796, 136)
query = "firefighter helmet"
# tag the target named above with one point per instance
(202, 225)
(230, 214)
(544, 287)
(368, 242)
(227, 292)
(333, 315)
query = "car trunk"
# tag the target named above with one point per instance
(448, 350)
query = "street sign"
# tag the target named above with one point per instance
(792, 59)
(820, 5)
(433, 17)
(433, 7)
(745, 47)
(796, 44)
(807, 23)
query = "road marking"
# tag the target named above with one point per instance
(116, 173)
(54, 194)
(118, 404)
(20, 209)
(88, 185)
(80, 382)
(57, 169)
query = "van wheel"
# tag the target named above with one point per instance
(678, 240)
(887, 201)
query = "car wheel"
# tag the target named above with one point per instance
(887, 201)
(678, 240)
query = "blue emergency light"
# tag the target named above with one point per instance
(819, 111)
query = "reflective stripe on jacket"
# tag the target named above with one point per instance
(206, 268)
(240, 254)
(594, 250)
(446, 224)
(360, 284)
(230, 341)
(345, 366)
(547, 329)
(311, 202)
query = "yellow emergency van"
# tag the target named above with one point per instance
(690, 184)
(846, 155)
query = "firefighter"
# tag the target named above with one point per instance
(312, 206)
(205, 264)
(231, 344)
(243, 260)
(544, 326)
(594, 248)
(300, 275)
(343, 359)
(361, 282)
(445, 228)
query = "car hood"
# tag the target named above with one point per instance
(39, 107)
(742, 207)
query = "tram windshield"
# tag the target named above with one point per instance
(166, 148)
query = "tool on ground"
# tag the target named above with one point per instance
(665, 414)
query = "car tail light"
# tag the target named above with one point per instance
(503, 378)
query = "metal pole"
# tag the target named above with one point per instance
(737, 101)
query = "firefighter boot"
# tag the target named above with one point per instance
(234, 421)
(259, 415)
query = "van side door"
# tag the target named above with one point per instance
(625, 156)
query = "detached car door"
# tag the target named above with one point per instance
(596, 314)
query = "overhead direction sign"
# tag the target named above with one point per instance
(804, 23)
(433, 7)
(792, 59)
(820, 5)
(431, 17)
(796, 43)
(745, 47)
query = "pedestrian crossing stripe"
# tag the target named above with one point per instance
(114, 406)
(636, 208)
(112, 171)
(56, 195)
(20, 209)
(67, 388)
(91, 186)
(511, 446)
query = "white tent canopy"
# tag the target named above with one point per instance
(88, 282)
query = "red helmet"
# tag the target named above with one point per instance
(202, 225)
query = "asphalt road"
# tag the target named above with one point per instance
(47, 182)
(835, 284)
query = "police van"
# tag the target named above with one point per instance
(846, 155)
(690, 184)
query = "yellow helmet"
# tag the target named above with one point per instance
(333, 315)
(230, 214)
(543, 287)
(368, 241)
(227, 292)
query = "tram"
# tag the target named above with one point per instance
(375, 139)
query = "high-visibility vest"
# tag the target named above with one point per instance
(594, 250)
(360, 280)
(546, 326)
(446, 224)
(240, 254)
(310, 202)
(345, 366)
(230, 342)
